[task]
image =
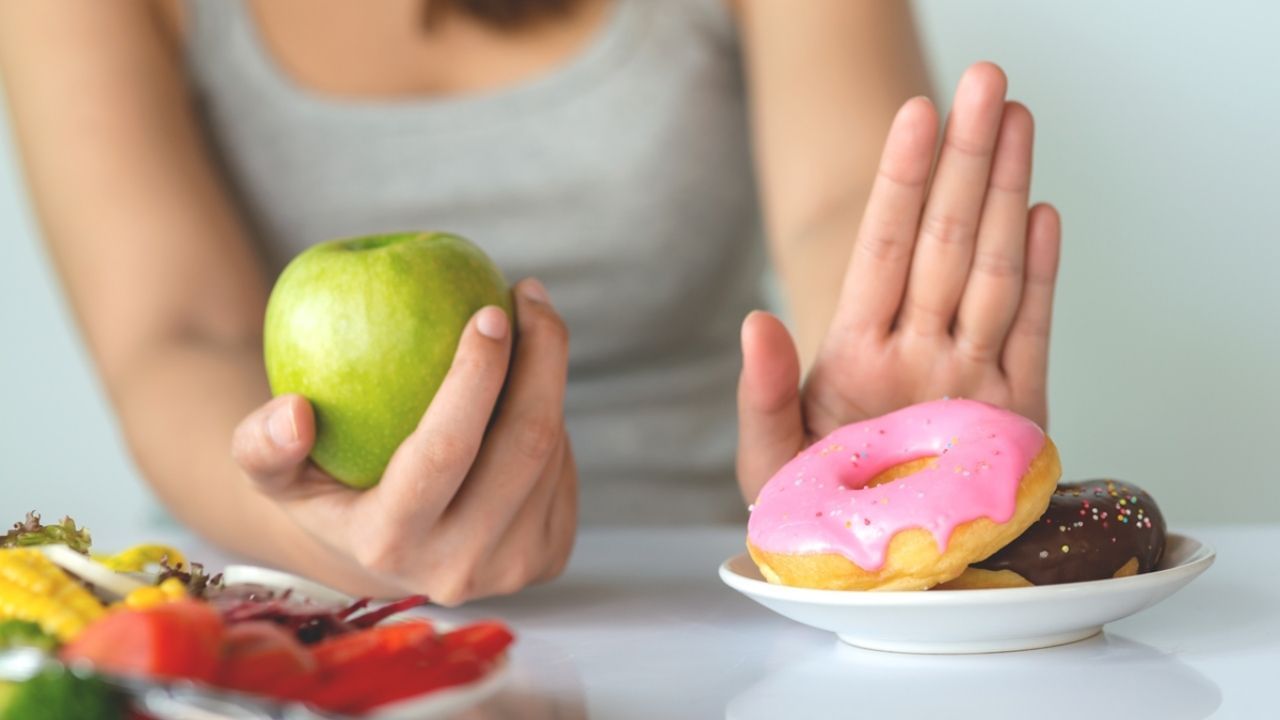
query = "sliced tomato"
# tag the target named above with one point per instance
(262, 657)
(174, 640)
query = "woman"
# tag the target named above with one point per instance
(180, 152)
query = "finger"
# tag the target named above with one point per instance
(770, 426)
(877, 272)
(942, 255)
(995, 280)
(529, 425)
(521, 555)
(1026, 354)
(425, 471)
(271, 444)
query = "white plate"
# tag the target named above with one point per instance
(974, 621)
(444, 703)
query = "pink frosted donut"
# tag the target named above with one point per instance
(903, 501)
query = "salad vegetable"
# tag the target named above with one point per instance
(60, 694)
(138, 557)
(172, 640)
(21, 633)
(31, 532)
(32, 588)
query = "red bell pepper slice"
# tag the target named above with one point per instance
(174, 640)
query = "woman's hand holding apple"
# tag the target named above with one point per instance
(949, 290)
(466, 507)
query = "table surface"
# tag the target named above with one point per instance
(640, 626)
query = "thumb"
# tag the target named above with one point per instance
(770, 424)
(272, 443)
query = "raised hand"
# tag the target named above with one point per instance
(472, 503)
(949, 288)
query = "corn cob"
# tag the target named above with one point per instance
(34, 589)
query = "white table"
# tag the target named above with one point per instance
(640, 626)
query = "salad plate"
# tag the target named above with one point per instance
(86, 633)
(974, 621)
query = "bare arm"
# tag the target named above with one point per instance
(168, 292)
(826, 77)
(159, 271)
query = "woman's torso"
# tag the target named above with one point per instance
(620, 176)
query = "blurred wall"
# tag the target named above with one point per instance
(1156, 139)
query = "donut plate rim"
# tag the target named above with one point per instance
(974, 621)
(1197, 562)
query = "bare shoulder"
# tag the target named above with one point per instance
(54, 34)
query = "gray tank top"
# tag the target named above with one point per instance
(622, 179)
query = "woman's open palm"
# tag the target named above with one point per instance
(949, 288)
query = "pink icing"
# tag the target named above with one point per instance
(818, 502)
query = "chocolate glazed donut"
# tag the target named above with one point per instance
(1093, 530)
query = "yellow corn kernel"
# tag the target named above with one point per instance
(145, 597)
(32, 588)
(173, 589)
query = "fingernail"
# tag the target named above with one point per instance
(281, 427)
(536, 291)
(492, 323)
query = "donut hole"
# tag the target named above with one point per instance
(897, 472)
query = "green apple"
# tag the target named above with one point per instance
(366, 328)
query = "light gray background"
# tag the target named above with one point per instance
(1157, 140)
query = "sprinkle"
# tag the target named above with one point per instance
(818, 514)
(1044, 554)
(848, 524)
(866, 521)
(751, 507)
(1066, 548)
